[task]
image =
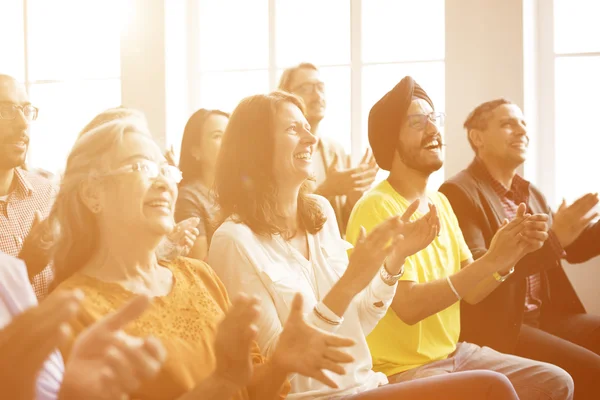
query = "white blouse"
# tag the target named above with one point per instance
(274, 271)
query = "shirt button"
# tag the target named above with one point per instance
(19, 240)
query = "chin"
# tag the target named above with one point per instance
(161, 226)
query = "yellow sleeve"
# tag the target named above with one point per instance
(368, 213)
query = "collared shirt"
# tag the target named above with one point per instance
(511, 198)
(270, 268)
(16, 296)
(32, 192)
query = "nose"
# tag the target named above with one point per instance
(521, 130)
(309, 138)
(20, 120)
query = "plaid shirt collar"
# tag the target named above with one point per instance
(22, 187)
(519, 190)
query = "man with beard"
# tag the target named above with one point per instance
(419, 335)
(25, 197)
(335, 179)
(536, 313)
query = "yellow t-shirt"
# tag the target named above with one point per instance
(396, 346)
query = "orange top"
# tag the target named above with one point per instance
(185, 321)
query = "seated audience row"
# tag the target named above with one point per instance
(397, 297)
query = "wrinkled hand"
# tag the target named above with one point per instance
(36, 246)
(27, 341)
(524, 234)
(106, 363)
(308, 351)
(416, 235)
(570, 221)
(179, 242)
(236, 335)
(349, 181)
(369, 253)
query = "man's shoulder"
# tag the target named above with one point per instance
(39, 179)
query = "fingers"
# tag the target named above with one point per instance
(334, 162)
(155, 348)
(321, 377)
(366, 157)
(337, 356)
(338, 341)
(37, 218)
(331, 366)
(136, 355)
(362, 234)
(126, 314)
(383, 232)
(37, 324)
(521, 210)
(122, 369)
(585, 203)
(535, 235)
(410, 210)
(297, 304)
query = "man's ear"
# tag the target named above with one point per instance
(476, 138)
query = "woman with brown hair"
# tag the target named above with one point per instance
(115, 205)
(198, 158)
(277, 240)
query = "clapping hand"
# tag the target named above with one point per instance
(416, 235)
(35, 249)
(179, 242)
(106, 363)
(27, 341)
(236, 336)
(570, 221)
(524, 234)
(307, 350)
(370, 252)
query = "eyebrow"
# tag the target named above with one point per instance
(135, 157)
(5, 102)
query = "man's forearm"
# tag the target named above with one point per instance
(425, 299)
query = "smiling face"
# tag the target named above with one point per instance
(307, 84)
(209, 144)
(293, 146)
(14, 132)
(420, 144)
(130, 196)
(504, 138)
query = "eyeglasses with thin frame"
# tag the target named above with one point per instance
(419, 121)
(309, 88)
(9, 111)
(151, 169)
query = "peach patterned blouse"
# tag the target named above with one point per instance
(185, 321)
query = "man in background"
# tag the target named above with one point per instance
(335, 179)
(536, 313)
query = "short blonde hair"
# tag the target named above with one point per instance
(112, 114)
(74, 227)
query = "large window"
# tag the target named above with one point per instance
(67, 52)
(363, 48)
(577, 96)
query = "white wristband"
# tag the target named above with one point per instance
(453, 288)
